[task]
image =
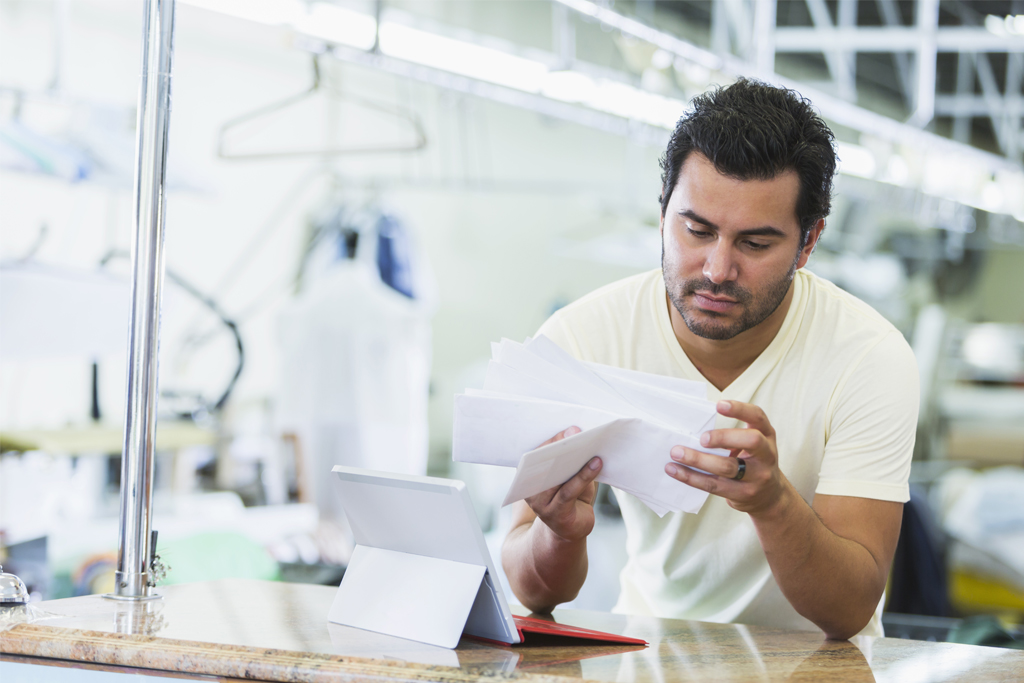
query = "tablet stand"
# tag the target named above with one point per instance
(420, 598)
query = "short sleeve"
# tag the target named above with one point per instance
(556, 329)
(872, 426)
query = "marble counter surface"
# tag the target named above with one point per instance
(259, 630)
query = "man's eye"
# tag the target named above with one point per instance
(698, 233)
(757, 246)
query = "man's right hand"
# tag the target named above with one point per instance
(568, 510)
(546, 563)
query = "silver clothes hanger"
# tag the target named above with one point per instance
(404, 116)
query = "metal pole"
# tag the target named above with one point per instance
(133, 580)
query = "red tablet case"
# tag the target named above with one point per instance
(527, 625)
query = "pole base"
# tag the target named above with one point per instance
(132, 598)
(132, 587)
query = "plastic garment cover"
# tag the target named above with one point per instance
(355, 374)
(12, 615)
(982, 516)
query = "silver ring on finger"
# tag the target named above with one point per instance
(741, 469)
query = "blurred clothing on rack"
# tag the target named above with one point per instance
(356, 352)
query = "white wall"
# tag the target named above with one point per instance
(493, 197)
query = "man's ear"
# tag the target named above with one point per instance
(812, 241)
(661, 205)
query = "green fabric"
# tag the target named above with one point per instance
(216, 555)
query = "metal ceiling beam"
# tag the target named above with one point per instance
(739, 14)
(720, 41)
(764, 36)
(730, 27)
(891, 39)
(990, 91)
(927, 52)
(837, 110)
(1014, 90)
(638, 29)
(581, 115)
(891, 15)
(967, 106)
(564, 35)
(839, 61)
(964, 90)
(847, 18)
(1012, 104)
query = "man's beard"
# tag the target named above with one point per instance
(756, 307)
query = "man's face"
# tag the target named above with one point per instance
(730, 247)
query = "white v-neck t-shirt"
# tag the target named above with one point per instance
(840, 386)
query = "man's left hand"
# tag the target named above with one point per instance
(762, 485)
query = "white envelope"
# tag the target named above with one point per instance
(686, 387)
(677, 403)
(625, 402)
(544, 348)
(631, 419)
(503, 379)
(572, 379)
(494, 429)
(674, 410)
(634, 454)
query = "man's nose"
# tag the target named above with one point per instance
(719, 264)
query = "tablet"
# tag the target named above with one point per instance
(432, 518)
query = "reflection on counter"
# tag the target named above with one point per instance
(143, 618)
(279, 632)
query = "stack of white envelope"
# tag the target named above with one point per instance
(630, 419)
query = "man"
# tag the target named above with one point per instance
(817, 394)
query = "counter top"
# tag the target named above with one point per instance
(270, 631)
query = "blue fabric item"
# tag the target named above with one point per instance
(43, 154)
(919, 567)
(393, 255)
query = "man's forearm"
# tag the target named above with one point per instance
(543, 569)
(833, 581)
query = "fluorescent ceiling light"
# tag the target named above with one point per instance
(269, 12)
(896, 171)
(321, 20)
(633, 103)
(662, 59)
(653, 36)
(569, 86)
(856, 160)
(502, 68)
(992, 197)
(1009, 25)
(613, 97)
(1011, 185)
(333, 24)
(338, 25)
(460, 57)
(934, 181)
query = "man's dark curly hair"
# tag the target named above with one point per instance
(754, 131)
